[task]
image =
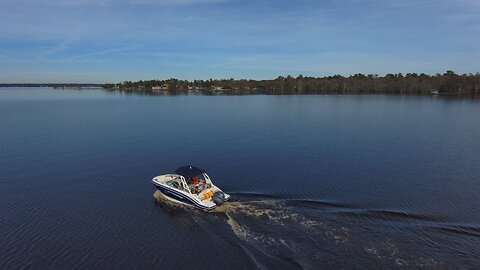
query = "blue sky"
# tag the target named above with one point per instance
(117, 40)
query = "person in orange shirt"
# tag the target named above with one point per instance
(195, 181)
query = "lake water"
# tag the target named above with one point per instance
(317, 182)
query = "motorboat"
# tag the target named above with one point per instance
(191, 186)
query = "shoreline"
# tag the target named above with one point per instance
(230, 92)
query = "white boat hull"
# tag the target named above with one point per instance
(185, 197)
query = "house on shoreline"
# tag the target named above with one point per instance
(219, 90)
(162, 87)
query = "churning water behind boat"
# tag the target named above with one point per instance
(308, 234)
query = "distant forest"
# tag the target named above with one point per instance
(408, 84)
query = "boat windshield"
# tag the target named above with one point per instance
(175, 183)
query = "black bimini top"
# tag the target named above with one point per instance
(189, 171)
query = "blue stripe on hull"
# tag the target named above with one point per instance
(176, 195)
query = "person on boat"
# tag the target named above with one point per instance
(194, 187)
(195, 181)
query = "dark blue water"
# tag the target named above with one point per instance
(316, 181)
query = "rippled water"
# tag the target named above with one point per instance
(316, 181)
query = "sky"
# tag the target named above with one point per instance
(98, 41)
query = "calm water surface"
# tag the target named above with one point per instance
(317, 182)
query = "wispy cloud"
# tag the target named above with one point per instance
(112, 2)
(97, 53)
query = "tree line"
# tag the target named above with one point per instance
(408, 84)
